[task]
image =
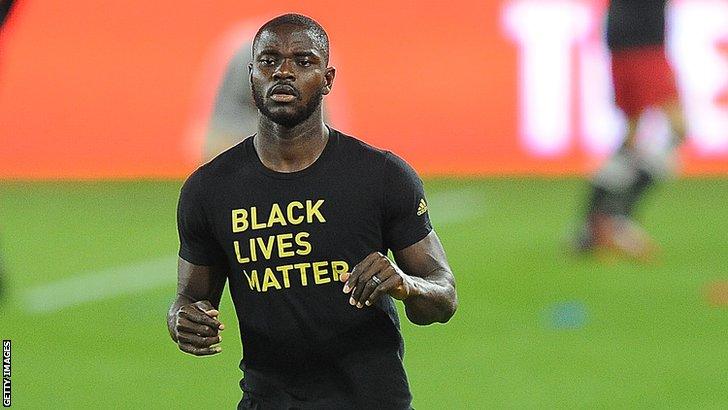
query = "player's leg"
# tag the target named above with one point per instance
(608, 184)
(628, 236)
(653, 86)
(646, 175)
(637, 190)
(608, 191)
(676, 117)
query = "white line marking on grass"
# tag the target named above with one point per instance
(103, 284)
(456, 205)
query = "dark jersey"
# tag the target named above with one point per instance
(286, 239)
(635, 23)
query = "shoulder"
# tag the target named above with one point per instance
(218, 169)
(356, 151)
(352, 148)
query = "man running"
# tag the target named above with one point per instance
(298, 219)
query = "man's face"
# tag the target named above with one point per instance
(288, 75)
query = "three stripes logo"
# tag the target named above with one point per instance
(422, 207)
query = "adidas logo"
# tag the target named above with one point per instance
(422, 208)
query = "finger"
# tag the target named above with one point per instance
(357, 270)
(199, 351)
(206, 307)
(365, 284)
(344, 276)
(371, 285)
(360, 268)
(198, 341)
(197, 316)
(366, 289)
(186, 325)
(382, 289)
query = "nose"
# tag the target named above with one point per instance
(284, 71)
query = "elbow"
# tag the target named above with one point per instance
(450, 308)
(440, 312)
(442, 316)
(451, 312)
(419, 321)
(451, 302)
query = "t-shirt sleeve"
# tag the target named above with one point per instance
(406, 220)
(197, 244)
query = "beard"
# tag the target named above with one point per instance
(287, 119)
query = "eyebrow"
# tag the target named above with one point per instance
(295, 53)
(268, 51)
(305, 54)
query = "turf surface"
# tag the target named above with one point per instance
(536, 327)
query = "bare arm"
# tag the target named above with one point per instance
(192, 318)
(432, 296)
(423, 280)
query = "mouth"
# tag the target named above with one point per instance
(283, 93)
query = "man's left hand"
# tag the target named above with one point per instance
(374, 276)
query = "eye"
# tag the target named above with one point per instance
(266, 61)
(304, 63)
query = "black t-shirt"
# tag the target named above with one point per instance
(286, 238)
(635, 23)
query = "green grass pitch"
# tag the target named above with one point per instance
(536, 327)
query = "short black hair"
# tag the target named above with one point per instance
(318, 34)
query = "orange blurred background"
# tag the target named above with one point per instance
(93, 89)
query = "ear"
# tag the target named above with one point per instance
(250, 71)
(329, 76)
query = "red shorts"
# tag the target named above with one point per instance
(642, 78)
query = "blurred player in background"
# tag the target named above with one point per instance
(234, 116)
(642, 79)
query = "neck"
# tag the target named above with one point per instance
(284, 149)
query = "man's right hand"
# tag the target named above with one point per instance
(196, 328)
